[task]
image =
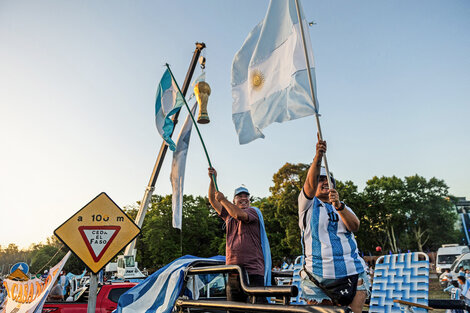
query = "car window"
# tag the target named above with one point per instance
(447, 258)
(465, 263)
(114, 294)
(214, 285)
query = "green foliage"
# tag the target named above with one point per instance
(160, 243)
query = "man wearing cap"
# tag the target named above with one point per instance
(333, 271)
(246, 242)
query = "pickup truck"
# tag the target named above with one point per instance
(106, 300)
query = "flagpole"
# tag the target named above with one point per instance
(195, 124)
(312, 92)
(161, 155)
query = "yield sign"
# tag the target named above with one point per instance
(97, 232)
(98, 239)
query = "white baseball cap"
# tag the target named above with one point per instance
(241, 189)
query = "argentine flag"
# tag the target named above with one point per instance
(168, 101)
(269, 73)
(159, 292)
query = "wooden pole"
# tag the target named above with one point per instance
(312, 90)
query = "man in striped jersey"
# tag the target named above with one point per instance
(332, 263)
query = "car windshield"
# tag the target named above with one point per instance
(446, 259)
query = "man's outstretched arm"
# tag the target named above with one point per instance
(311, 183)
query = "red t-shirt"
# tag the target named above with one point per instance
(243, 245)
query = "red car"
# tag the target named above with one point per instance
(106, 301)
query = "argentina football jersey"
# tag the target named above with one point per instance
(330, 249)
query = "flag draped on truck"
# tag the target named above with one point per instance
(159, 291)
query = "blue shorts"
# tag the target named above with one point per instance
(312, 292)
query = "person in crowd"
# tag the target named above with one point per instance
(333, 271)
(56, 293)
(455, 294)
(246, 244)
(461, 271)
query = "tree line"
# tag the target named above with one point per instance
(396, 214)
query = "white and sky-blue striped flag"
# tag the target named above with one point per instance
(178, 167)
(269, 73)
(159, 291)
(168, 101)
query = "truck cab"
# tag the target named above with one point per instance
(127, 268)
(447, 254)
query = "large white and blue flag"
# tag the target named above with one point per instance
(269, 73)
(168, 101)
(178, 167)
(159, 291)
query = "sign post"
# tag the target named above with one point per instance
(93, 293)
(96, 234)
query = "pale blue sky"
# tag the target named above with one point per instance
(78, 81)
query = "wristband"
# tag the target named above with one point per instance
(341, 207)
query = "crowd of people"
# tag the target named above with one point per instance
(459, 289)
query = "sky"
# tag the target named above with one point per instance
(78, 82)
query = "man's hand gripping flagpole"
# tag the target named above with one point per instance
(317, 117)
(194, 122)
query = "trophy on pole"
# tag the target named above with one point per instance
(202, 90)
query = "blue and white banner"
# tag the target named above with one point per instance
(159, 291)
(178, 168)
(168, 101)
(269, 73)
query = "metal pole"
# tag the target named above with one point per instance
(161, 155)
(312, 92)
(92, 293)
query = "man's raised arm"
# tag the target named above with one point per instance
(311, 183)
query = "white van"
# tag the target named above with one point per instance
(447, 254)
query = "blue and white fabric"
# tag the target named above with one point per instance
(400, 277)
(269, 73)
(466, 289)
(159, 291)
(178, 168)
(330, 249)
(168, 101)
(266, 249)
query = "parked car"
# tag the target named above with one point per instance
(106, 301)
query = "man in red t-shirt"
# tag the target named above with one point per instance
(243, 244)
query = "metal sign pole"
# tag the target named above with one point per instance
(92, 293)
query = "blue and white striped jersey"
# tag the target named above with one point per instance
(329, 247)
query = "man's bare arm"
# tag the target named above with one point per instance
(231, 208)
(349, 219)
(311, 183)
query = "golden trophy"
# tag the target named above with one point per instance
(202, 90)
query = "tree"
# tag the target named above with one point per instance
(160, 243)
(288, 183)
(410, 213)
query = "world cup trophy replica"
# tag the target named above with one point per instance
(202, 90)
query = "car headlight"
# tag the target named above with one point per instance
(438, 269)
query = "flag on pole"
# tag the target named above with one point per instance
(178, 168)
(269, 73)
(168, 101)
